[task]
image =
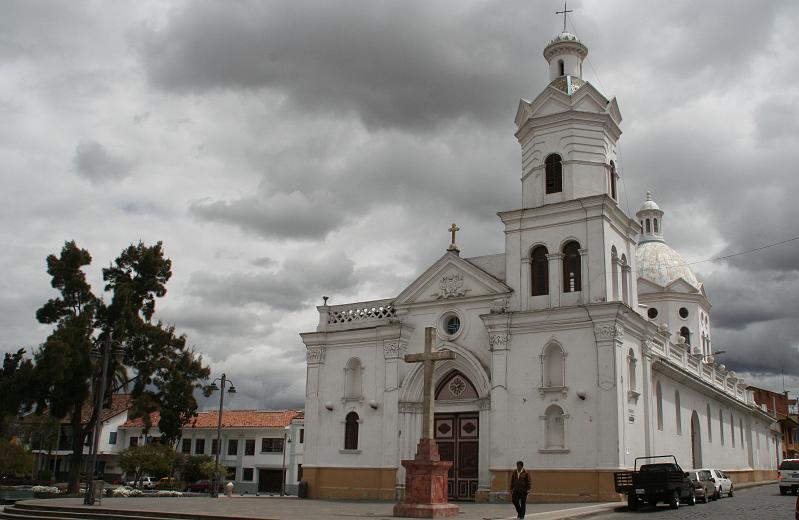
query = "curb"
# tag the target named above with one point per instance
(577, 512)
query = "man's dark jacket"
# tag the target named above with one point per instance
(520, 483)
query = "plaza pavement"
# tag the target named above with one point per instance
(291, 508)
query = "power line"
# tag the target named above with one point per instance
(740, 253)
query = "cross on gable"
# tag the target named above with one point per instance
(453, 229)
(428, 359)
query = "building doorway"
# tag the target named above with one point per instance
(270, 480)
(696, 441)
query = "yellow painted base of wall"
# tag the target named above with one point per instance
(752, 475)
(351, 483)
(559, 485)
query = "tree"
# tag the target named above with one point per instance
(191, 467)
(14, 459)
(15, 388)
(64, 370)
(154, 459)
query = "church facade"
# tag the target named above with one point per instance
(585, 344)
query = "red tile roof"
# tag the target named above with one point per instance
(120, 403)
(231, 419)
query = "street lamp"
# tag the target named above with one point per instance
(232, 390)
(286, 442)
(105, 354)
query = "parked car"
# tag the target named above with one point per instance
(788, 475)
(143, 483)
(722, 482)
(657, 482)
(203, 486)
(704, 487)
(170, 483)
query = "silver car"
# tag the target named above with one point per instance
(722, 482)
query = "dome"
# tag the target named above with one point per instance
(649, 204)
(565, 37)
(658, 263)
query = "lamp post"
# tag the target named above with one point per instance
(232, 390)
(286, 442)
(105, 353)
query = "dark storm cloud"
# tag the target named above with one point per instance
(95, 162)
(395, 64)
(290, 288)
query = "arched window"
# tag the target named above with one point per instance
(614, 277)
(685, 333)
(656, 225)
(555, 437)
(553, 174)
(351, 431)
(353, 378)
(732, 429)
(455, 386)
(539, 271)
(678, 412)
(561, 68)
(659, 405)
(625, 291)
(553, 362)
(571, 267)
(612, 173)
(648, 226)
(709, 425)
(721, 425)
(631, 371)
(741, 428)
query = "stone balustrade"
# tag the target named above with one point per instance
(355, 315)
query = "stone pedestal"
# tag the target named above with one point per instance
(426, 485)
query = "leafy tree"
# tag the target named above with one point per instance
(64, 370)
(191, 467)
(154, 459)
(14, 459)
(15, 388)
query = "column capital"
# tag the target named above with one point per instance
(554, 256)
(315, 356)
(609, 331)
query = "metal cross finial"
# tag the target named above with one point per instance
(564, 14)
(453, 229)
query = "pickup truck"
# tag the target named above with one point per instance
(655, 482)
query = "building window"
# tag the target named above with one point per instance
(685, 333)
(572, 279)
(233, 447)
(652, 313)
(199, 446)
(659, 404)
(732, 429)
(656, 225)
(271, 445)
(555, 435)
(249, 447)
(452, 325)
(709, 425)
(553, 174)
(299, 472)
(561, 68)
(353, 377)
(648, 226)
(247, 474)
(302, 435)
(230, 473)
(133, 442)
(553, 362)
(539, 271)
(678, 412)
(112, 437)
(721, 425)
(185, 446)
(613, 180)
(741, 428)
(214, 446)
(351, 431)
(683, 312)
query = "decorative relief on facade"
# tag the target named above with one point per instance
(498, 341)
(394, 349)
(410, 407)
(499, 306)
(315, 356)
(484, 404)
(609, 332)
(457, 386)
(451, 286)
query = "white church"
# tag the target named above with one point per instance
(585, 344)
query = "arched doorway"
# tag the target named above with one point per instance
(696, 441)
(458, 434)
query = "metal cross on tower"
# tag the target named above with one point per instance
(564, 14)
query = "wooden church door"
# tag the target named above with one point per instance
(457, 436)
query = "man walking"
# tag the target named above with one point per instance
(519, 486)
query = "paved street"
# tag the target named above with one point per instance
(761, 502)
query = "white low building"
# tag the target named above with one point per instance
(585, 344)
(258, 446)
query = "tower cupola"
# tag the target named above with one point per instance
(565, 55)
(650, 216)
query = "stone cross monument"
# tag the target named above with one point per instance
(426, 474)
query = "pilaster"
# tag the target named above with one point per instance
(555, 266)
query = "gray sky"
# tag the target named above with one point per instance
(286, 150)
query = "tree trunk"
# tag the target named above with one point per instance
(77, 450)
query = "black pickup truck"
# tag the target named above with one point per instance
(655, 482)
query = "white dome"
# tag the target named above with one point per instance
(649, 204)
(565, 36)
(662, 265)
